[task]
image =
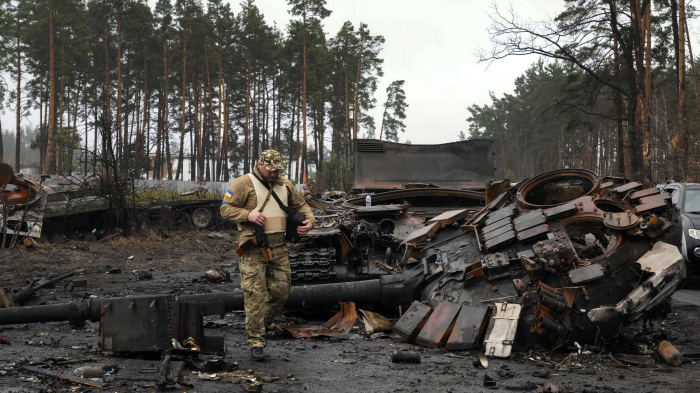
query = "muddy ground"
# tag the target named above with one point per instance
(177, 261)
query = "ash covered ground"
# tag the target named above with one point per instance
(177, 262)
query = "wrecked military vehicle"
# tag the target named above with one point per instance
(408, 186)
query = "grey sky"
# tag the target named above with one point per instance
(432, 45)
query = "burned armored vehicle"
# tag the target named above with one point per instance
(567, 256)
(408, 186)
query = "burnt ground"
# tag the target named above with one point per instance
(177, 262)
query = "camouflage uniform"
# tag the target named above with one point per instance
(266, 285)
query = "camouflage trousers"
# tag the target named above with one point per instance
(266, 286)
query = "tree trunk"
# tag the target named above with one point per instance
(51, 158)
(357, 93)
(41, 123)
(246, 166)
(123, 150)
(303, 107)
(682, 115)
(180, 171)
(642, 112)
(222, 102)
(695, 81)
(19, 96)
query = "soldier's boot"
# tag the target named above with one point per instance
(257, 354)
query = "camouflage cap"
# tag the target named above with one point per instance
(271, 160)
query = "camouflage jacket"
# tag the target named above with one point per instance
(240, 199)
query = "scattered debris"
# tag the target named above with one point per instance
(61, 375)
(670, 354)
(217, 275)
(375, 322)
(340, 324)
(488, 381)
(405, 357)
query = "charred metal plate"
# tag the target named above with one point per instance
(450, 217)
(535, 233)
(618, 258)
(422, 234)
(508, 211)
(145, 370)
(562, 211)
(628, 187)
(621, 221)
(497, 225)
(654, 233)
(469, 328)
(497, 232)
(586, 274)
(529, 220)
(606, 185)
(500, 241)
(655, 198)
(644, 193)
(412, 321)
(437, 329)
(651, 206)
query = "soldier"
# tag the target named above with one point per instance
(266, 285)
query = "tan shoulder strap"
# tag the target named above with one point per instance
(267, 199)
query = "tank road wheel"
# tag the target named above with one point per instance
(202, 217)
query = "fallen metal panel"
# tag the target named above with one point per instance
(586, 274)
(145, 370)
(67, 375)
(412, 321)
(500, 338)
(383, 165)
(469, 328)
(437, 329)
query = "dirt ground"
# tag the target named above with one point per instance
(177, 262)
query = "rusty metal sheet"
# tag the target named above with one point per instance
(342, 322)
(628, 187)
(497, 225)
(437, 329)
(412, 321)
(651, 206)
(621, 221)
(585, 274)
(490, 235)
(469, 328)
(379, 210)
(493, 217)
(450, 217)
(607, 184)
(422, 234)
(535, 233)
(562, 211)
(644, 193)
(500, 241)
(655, 198)
(529, 220)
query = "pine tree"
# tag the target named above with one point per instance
(394, 111)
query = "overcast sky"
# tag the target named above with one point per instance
(432, 45)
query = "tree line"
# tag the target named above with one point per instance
(615, 91)
(121, 82)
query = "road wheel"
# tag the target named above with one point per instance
(202, 217)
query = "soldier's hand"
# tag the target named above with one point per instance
(303, 230)
(256, 218)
